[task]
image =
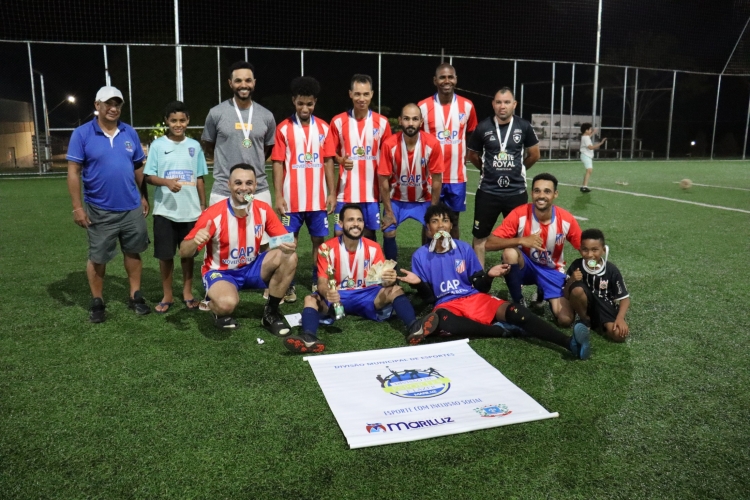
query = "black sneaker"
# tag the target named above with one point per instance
(307, 342)
(274, 323)
(225, 322)
(537, 299)
(96, 311)
(138, 304)
(584, 189)
(422, 328)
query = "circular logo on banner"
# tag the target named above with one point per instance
(415, 384)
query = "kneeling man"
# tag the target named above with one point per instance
(231, 230)
(350, 259)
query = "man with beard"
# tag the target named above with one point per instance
(231, 231)
(532, 238)
(447, 271)
(239, 131)
(450, 118)
(351, 256)
(358, 135)
(410, 173)
(501, 140)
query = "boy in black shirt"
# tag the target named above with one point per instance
(596, 290)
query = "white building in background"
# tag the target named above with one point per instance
(16, 132)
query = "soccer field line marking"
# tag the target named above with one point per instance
(661, 198)
(712, 186)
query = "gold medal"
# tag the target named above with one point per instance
(246, 143)
(360, 151)
(502, 156)
(308, 157)
(447, 133)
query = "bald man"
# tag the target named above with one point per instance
(410, 172)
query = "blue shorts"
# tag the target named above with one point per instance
(403, 210)
(247, 276)
(454, 195)
(317, 222)
(360, 302)
(551, 281)
(370, 211)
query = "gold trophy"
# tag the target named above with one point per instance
(323, 250)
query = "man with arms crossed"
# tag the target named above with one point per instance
(450, 118)
(448, 271)
(532, 238)
(410, 173)
(351, 257)
(231, 231)
(357, 135)
(106, 153)
(303, 174)
(497, 149)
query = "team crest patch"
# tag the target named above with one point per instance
(517, 138)
(493, 411)
(375, 132)
(603, 284)
(191, 152)
(462, 118)
(460, 265)
(128, 146)
(415, 383)
(321, 137)
(259, 230)
(367, 264)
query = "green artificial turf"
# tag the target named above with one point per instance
(167, 406)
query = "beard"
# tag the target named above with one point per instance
(249, 94)
(349, 235)
(411, 131)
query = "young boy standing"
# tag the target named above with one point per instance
(596, 290)
(587, 153)
(176, 166)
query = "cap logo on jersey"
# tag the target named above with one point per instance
(450, 286)
(541, 257)
(411, 180)
(242, 255)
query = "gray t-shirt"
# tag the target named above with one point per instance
(223, 129)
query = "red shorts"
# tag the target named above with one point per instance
(480, 307)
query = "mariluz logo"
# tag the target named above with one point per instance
(408, 426)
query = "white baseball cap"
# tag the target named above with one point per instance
(108, 92)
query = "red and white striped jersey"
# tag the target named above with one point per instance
(563, 226)
(360, 140)
(352, 270)
(460, 119)
(411, 174)
(303, 150)
(234, 242)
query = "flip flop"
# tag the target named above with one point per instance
(163, 304)
(191, 304)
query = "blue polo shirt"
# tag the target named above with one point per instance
(108, 165)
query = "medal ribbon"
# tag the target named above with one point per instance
(359, 260)
(367, 126)
(411, 168)
(245, 132)
(440, 122)
(503, 143)
(311, 141)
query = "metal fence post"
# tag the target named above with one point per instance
(572, 87)
(671, 110)
(624, 100)
(218, 71)
(716, 114)
(552, 112)
(106, 67)
(747, 125)
(33, 102)
(380, 76)
(635, 107)
(130, 86)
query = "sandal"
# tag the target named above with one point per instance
(191, 304)
(168, 305)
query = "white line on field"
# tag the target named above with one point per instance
(661, 198)
(712, 186)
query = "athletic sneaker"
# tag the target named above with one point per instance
(274, 323)
(584, 189)
(307, 342)
(291, 294)
(225, 322)
(422, 328)
(138, 304)
(96, 311)
(580, 342)
(537, 299)
(314, 288)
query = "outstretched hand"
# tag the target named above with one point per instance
(498, 270)
(409, 277)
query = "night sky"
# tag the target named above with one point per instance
(685, 35)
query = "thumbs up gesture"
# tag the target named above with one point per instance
(203, 235)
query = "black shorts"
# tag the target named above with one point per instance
(168, 235)
(488, 207)
(600, 311)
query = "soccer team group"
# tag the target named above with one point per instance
(419, 173)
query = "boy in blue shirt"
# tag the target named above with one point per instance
(176, 166)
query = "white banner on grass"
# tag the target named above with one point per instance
(410, 393)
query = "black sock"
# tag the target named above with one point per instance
(273, 302)
(457, 325)
(535, 326)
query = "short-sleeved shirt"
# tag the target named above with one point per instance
(411, 180)
(351, 272)
(107, 165)
(224, 130)
(303, 150)
(607, 284)
(585, 143)
(360, 184)
(451, 128)
(448, 274)
(503, 177)
(522, 221)
(184, 161)
(234, 241)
